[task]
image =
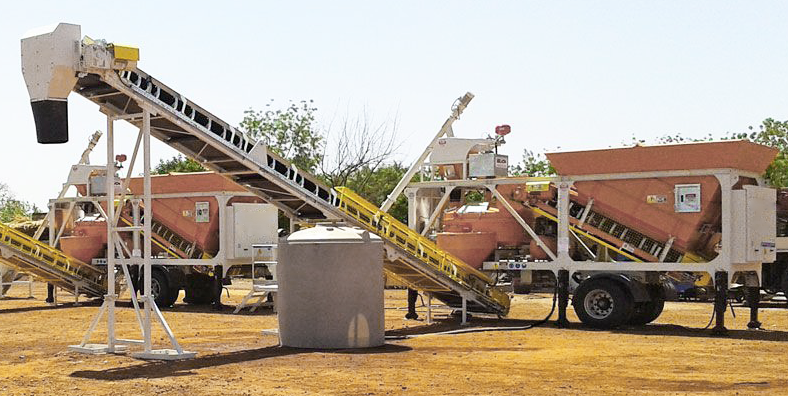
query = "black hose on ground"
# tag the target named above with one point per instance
(486, 329)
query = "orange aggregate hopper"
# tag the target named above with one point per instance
(648, 205)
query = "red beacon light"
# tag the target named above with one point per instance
(503, 130)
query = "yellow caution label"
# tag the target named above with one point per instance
(537, 186)
(123, 52)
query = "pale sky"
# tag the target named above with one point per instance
(568, 74)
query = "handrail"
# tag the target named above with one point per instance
(40, 252)
(420, 247)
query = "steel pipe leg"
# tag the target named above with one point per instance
(217, 288)
(413, 295)
(754, 299)
(720, 301)
(429, 308)
(464, 311)
(563, 297)
(50, 293)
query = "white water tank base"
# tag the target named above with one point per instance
(331, 289)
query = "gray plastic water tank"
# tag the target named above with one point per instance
(330, 288)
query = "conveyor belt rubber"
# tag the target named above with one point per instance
(183, 125)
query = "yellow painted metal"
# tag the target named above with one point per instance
(161, 245)
(420, 248)
(589, 236)
(43, 255)
(702, 278)
(537, 186)
(124, 52)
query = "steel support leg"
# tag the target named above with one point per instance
(464, 311)
(754, 299)
(429, 308)
(50, 293)
(563, 297)
(413, 295)
(217, 287)
(720, 301)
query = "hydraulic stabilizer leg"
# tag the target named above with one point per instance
(720, 301)
(563, 297)
(217, 288)
(754, 299)
(413, 295)
(50, 293)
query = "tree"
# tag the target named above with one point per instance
(532, 165)
(291, 133)
(177, 164)
(360, 146)
(376, 184)
(12, 209)
(770, 133)
(773, 134)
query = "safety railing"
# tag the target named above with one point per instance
(38, 253)
(421, 248)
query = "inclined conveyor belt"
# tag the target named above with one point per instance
(217, 145)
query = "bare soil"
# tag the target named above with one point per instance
(671, 356)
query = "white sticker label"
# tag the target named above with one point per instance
(202, 212)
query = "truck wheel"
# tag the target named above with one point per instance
(648, 311)
(161, 291)
(199, 289)
(602, 303)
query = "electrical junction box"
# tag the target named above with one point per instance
(488, 165)
(687, 198)
(249, 224)
(202, 212)
(754, 236)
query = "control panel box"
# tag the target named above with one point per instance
(249, 224)
(488, 165)
(753, 218)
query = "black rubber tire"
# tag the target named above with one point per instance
(162, 293)
(648, 311)
(199, 289)
(616, 301)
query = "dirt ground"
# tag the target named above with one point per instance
(672, 356)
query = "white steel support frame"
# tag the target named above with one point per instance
(48, 224)
(115, 246)
(560, 260)
(222, 199)
(446, 129)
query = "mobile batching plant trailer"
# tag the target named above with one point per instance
(617, 222)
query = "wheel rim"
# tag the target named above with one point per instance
(599, 304)
(155, 288)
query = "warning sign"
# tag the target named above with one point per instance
(656, 199)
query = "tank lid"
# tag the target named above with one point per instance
(332, 234)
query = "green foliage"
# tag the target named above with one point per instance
(532, 165)
(12, 209)
(770, 133)
(290, 133)
(773, 134)
(474, 196)
(177, 164)
(376, 184)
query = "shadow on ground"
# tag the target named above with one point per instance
(480, 324)
(47, 307)
(162, 369)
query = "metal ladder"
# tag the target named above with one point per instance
(220, 147)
